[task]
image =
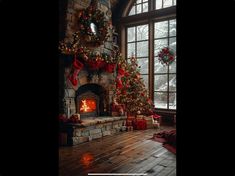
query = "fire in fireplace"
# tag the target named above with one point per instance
(91, 101)
(87, 105)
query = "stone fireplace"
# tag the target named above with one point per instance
(92, 96)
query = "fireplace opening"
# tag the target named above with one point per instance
(92, 101)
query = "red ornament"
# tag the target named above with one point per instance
(121, 72)
(109, 67)
(127, 74)
(171, 58)
(119, 83)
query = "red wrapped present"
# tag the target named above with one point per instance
(140, 124)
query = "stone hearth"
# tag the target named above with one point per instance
(91, 129)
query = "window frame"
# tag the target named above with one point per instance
(167, 73)
(150, 17)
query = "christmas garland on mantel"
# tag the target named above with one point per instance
(87, 56)
(95, 61)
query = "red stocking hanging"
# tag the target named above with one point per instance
(73, 80)
(77, 64)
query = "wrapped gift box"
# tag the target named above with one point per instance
(139, 124)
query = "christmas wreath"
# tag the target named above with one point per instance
(166, 56)
(92, 25)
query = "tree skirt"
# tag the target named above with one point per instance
(168, 138)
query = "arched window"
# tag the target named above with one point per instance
(147, 27)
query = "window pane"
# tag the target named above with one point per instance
(159, 44)
(158, 67)
(161, 29)
(172, 101)
(158, 4)
(143, 63)
(145, 0)
(145, 78)
(173, 27)
(138, 9)
(160, 82)
(145, 7)
(131, 34)
(131, 49)
(142, 32)
(160, 100)
(172, 67)
(172, 44)
(172, 82)
(142, 49)
(132, 11)
(138, 1)
(167, 3)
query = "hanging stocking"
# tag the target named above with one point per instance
(73, 77)
(73, 80)
(77, 64)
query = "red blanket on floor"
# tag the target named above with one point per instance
(168, 138)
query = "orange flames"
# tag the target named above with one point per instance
(87, 105)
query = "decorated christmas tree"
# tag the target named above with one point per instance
(131, 90)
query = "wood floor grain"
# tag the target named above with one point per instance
(127, 152)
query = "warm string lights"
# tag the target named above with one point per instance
(131, 90)
(70, 48)
(94, 60)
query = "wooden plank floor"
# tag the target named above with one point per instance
(127, 152)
